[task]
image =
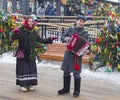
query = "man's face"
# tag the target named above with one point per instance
(80, 23)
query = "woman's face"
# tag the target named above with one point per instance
(80, 23)
(30, 22)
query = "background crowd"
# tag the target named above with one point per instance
(60, 7)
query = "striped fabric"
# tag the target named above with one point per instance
(26, 73)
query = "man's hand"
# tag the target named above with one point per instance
(86, 52)
(67, 39)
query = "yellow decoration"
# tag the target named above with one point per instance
(15, 44)
(118, 53)
(12, 22)
(63, 1)
(0, 25)
(36, 28)
(83, 1)
(119, 66)
(105, 51)
(93, 48)
(113, 37)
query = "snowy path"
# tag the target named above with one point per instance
(95, 85)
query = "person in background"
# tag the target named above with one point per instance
(78, 11)
(69, 62)
(28, 36)
(9, 6)
(56, 12)
(89, 13)
(41, 11)
(47, 10)
(69, 11)
(4, 5)
(51, 11)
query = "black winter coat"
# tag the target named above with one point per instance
(27, 40)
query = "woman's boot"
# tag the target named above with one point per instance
(66, 85)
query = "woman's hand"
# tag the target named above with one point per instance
(16, 31)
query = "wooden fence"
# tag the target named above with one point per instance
(65, 19)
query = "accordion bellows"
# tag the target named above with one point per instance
(77, 44)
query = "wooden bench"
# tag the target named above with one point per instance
(55, 52)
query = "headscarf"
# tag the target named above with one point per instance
(27, 26)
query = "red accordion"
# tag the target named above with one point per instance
(77, 44)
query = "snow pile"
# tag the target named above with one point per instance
(99, 74)
(7, 58)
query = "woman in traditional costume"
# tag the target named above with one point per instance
(26, 71)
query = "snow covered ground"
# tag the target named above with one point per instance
(113, 77)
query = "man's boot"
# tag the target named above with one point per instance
(77, 83)
(66, 85)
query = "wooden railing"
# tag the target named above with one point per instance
(60, 28)
(64, 19)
